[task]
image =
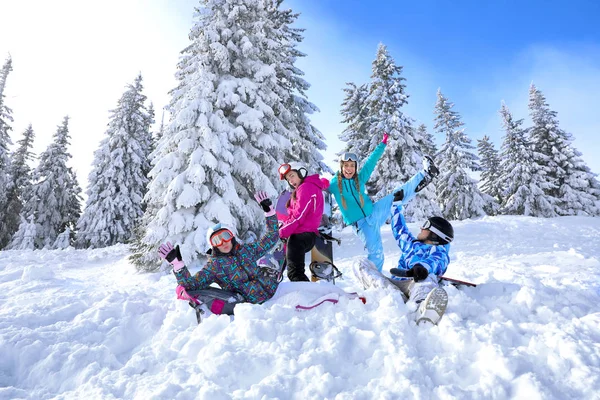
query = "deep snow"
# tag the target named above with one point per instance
(80, 324)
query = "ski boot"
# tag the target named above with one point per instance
(433, 307)
(431, 171)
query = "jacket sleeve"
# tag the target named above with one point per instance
(371, 163)
(402, 234)
(304, 207)
(333, 186)
(266, 243)
(201, 280)
(436, 260)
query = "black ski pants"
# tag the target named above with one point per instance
(298, 245)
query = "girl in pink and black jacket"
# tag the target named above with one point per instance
(305, 210)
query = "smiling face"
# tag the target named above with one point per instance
(348, 169)
(293, 179)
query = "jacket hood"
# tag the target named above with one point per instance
(321, 183)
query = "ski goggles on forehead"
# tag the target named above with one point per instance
(349, 157)
(283, 170)
(220, 237)
(427, 225)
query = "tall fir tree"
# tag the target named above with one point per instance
(6, 225)
(237, 114)
(20, 174)
(118, 181)
(426, 141)
(306, 140)
(54, 200)
(572, 187)
(457, 192)
(386, 98)
(403, 155)
(490, 174)
(520, 176)
(355, 115)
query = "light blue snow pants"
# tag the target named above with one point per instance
(368, 228)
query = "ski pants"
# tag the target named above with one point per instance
(417, 291)
(297, 246)
(368, 229)
(366, 272)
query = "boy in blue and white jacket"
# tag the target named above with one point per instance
(422, 260)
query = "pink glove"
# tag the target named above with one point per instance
(172, 255)
(385, 138)
(263, 199)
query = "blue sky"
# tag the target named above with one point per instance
(478, 52)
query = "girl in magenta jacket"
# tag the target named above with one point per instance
(305, 210)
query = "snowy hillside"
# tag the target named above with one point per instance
(83, 324)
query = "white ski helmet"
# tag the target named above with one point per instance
(292, 166)
(218, 227)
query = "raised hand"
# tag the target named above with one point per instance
(265, 202)
(385, 138)
(172, 255)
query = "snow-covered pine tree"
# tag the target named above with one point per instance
(20, 174)
(520, 176)
(231, 127)
(307, 140)
(403, 155)
(6, 184)
(117, 183)
(24, 238)
(386, 98)
(355, 115)
(426, 141)
(490, 173)
(55, 196)
(457, 192)
(570, 182)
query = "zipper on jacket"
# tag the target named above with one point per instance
(355, 199)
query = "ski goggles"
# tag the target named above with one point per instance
(427, 225)
(220, 237)
(283, 170)
(349, 157)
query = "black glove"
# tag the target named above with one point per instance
(265, 202)
(429, 166)
(399, 195)
(418, 272)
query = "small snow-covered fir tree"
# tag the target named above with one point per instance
(20, 174)
(6, 184)
(490, 173)
(234, 121)
(24, 238)
(570, 183)
(118, 181)
(63, 240)
(520, 176)
(457, 192)
(55, 196)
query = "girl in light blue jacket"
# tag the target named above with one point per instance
(366, 218)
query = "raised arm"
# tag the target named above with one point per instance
(371, 163)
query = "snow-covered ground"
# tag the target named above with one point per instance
(83, 324)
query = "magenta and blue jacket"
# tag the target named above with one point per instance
(237, 271)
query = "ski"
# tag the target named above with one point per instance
(457, 282)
